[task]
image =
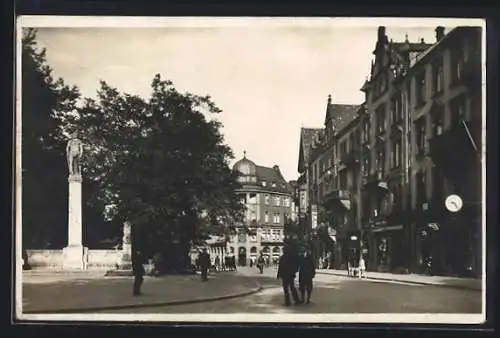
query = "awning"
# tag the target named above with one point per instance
(383, 185)
(333, 238)
(346, 204)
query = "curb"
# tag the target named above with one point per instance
(460, 287)
(154, 304)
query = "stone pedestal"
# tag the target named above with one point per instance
(74, 253)
(74, 257)
(126, 260)
(125, 264)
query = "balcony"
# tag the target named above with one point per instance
(376, 181)
(338, 199)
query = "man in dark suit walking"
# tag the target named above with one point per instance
(138, 271)
(204, 264)
(287, 269)
(307, 271)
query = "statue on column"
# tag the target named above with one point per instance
(74, 152)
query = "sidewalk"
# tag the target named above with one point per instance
(452, 282)
(92, 293)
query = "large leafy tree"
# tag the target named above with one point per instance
(160, 164)
(44, 185)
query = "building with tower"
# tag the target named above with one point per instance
(268, 198)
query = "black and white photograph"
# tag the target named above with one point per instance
(250, 169)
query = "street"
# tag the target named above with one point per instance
(335, 294)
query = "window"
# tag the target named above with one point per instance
(343, 149)
(380, 119)
(365, 164)
(438, 76)
(343, 179)
(380, 160)
(276, 234)
(286, 201)
(456, 65)
(264, 183)
(266, 233)
(438, 121)
(420, 88)
(273, 185)
(396, 153)
(276, 218)
(266, 199)
(396, 109)
(277, 200)
(420, 135)
(253, 216)
(421, 193)
(366, 131)
(266, 217)
(457, 110)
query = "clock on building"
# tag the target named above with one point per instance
(453, 203)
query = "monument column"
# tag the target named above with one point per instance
(74, 254)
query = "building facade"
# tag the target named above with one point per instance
(268, 199)
(380, 177)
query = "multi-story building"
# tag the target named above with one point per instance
(268, 200)
(382, 137)
(414, 141)
(445, 124)
(307, 137)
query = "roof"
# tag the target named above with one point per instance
(340, 113)
(307, 137)
(273, 175)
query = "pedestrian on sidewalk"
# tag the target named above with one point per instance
(204, 260)
(287, 268)
(362, 267)
(307, 272)
(138, 271)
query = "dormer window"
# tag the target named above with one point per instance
(264, 183)
(273, 185)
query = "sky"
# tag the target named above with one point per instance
(269, 80)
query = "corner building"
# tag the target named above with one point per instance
(421, 142)
(268, 198)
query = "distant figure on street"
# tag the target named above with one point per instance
(217, 263)
(138, 271)
(260, 264)
(204, 260)
(307, 271)
(287, 269)
(362, 267)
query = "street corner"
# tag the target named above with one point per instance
(91, 295)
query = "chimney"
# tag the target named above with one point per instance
(276, 168)
(439, 33)
(381, 32)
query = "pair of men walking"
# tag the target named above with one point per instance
(289, 265)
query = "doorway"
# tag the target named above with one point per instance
(242, 256)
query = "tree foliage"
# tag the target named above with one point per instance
(161, 163)
(44, 185)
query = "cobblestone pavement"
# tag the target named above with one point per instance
(337, 294)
